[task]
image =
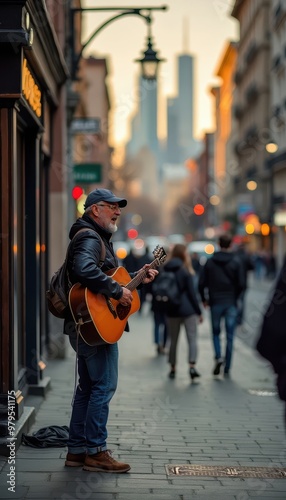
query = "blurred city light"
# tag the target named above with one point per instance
(249, 228)
(136, 219)
(271, 147)
(210, 232)
(214, 199)
(139, 244)
(251, 185)
(199, 209)
(77, 192)
(209, 248)
(132, 233)
(265, 229)
(80, 204)
(121, 253)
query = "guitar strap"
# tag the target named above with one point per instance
(103, 251)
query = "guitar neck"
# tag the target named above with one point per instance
(140, 276)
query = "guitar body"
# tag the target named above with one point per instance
(100, 319)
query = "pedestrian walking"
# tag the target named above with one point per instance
(247, 264)
(197, 267)
(134, 261)
(186, 312)
(271, 343)
(97, 365)
(158, 309)
(221, 282)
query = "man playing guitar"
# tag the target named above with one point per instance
(98, 363)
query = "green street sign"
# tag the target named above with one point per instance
(87, 173)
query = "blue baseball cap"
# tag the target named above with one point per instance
(103, 195)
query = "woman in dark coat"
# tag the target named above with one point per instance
(272, 340)
(186, 313)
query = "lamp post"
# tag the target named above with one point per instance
(149, 62)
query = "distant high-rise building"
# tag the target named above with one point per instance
(142, 151)
(180, 115)
(144, 122)
(172, 130)
(186, 99)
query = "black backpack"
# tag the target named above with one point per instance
(60, 285)
(166, 290)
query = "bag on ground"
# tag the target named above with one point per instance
(165, 289)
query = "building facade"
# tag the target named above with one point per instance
(277, 162)
(224, 157)
(251, 110)
(32, 102)
(91, 149)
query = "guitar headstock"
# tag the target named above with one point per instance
(160, 254)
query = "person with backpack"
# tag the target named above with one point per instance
(97, 365)
(181, 306)
(221, 282)
(247, 264)
(158, 308)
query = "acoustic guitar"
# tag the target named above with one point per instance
(100, 319)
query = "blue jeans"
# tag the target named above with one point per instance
(240, 307)
(160, 328)
(229, 313)
(98, 374)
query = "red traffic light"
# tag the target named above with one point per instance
(132, 233)
(199, 209)
(77, 192)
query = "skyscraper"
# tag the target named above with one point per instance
(144, 123)
(180, 114)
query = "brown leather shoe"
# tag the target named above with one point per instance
(75, 459)
(104, 462)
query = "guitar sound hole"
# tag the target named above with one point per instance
(122, 311)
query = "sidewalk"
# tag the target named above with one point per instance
(155, 422)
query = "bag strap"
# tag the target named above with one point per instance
(103, 251)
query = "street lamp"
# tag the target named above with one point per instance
(149, 62)
(271, 146)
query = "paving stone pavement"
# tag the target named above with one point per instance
(155, 422)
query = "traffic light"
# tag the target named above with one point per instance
(132, 233)
(77, 192)
(199, 209)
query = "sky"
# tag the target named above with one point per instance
(197, 27)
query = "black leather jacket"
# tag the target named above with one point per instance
(84, 257)
(83, 263)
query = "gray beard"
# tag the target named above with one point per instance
(112, 228)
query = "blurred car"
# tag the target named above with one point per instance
(152, 241)
(204, 249)
(175, 239)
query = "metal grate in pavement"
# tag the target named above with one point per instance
(225, 471)
(262, 392)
